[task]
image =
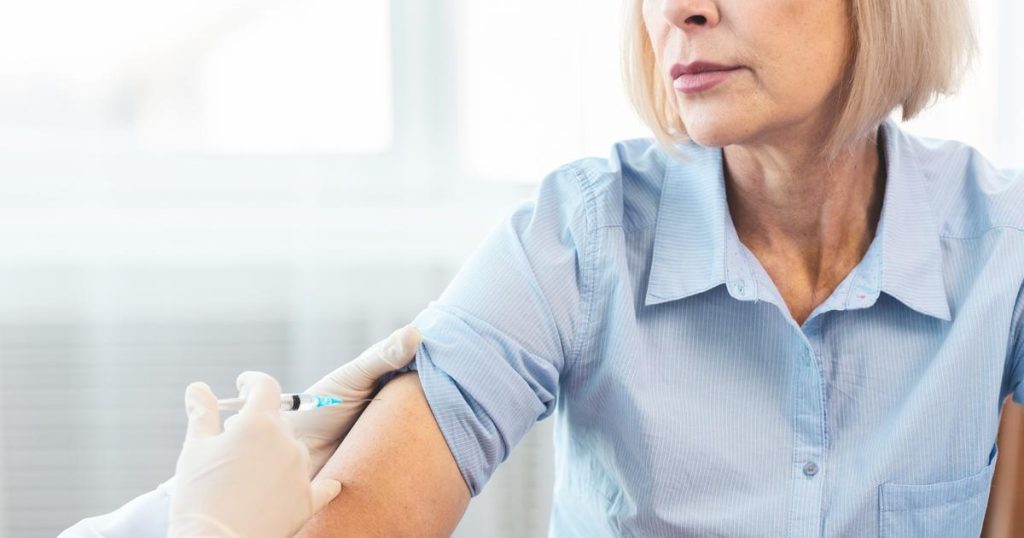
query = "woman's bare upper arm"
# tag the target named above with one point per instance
(398, 476)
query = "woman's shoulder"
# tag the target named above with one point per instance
(972, 194)
(624, 188)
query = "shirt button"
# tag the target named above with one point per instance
(810, 469)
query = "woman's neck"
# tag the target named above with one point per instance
(789, 204)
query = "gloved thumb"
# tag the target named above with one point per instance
(201, 407)
(392, 353)
(399, 349)
(324, 491)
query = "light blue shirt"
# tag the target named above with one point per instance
(689, 402)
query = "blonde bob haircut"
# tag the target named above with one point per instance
(904, 53)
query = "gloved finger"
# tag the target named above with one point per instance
(234, 420)
(324, 490)
(201, 407)
(230, 422)
(286, 426)
(262, 393)
(392, 353)
(306, 458)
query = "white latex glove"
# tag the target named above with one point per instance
(249, 481)
(322, 430)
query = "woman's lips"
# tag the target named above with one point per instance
(705, 80)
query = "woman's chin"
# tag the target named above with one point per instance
(708, 136)
(718, 129)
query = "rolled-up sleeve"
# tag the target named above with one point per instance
(496, 341)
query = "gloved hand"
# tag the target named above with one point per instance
(322, 430)
(249, 481)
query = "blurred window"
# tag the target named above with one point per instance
(219, 76)
(539, 80)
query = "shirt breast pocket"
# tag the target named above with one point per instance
(942, 509)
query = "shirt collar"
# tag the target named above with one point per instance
(696, 246)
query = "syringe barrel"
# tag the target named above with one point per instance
(297, 402)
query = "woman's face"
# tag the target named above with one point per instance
(786, 58)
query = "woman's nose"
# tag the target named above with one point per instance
(691, 14)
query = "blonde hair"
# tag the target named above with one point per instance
(904, 53)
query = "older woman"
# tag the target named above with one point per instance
(787, 317)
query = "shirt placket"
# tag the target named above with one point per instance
(807, 467)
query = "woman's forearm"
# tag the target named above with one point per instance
(398, 476)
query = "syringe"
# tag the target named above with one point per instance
(289, 402)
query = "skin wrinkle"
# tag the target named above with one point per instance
(809, 220)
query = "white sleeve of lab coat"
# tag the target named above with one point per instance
(143, 517)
